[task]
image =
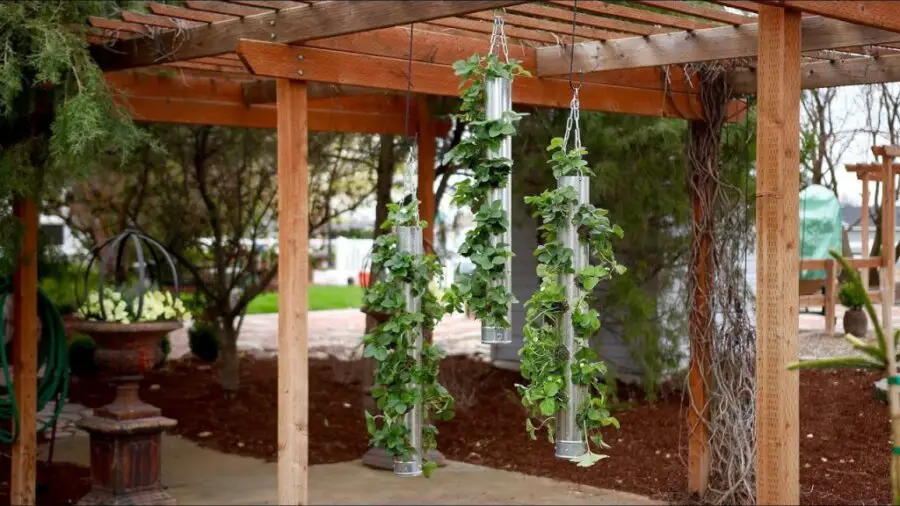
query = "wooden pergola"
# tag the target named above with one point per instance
(339, 66)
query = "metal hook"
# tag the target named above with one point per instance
(580, 82)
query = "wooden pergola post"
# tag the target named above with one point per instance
(777, 232)
(864, 228)
(427, 151)
(25, 350)
(293, 263)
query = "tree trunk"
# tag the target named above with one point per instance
(229, 372)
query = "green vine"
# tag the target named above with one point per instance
(481, 290)
(397, 374)
(543, 356)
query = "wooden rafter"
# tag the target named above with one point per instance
(585, 19)
(702, 45)
(642, 15)
(720, 16)
(483, 27)
(829, 74)
(229, 8)
(877, 14)
(158, 21)
(550, 27)
(176, 12)
(298, 24)
(283, 61)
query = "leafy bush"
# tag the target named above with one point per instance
(203, 339)
(81, 350)
(852, 295)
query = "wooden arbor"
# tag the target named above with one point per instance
(297, 66)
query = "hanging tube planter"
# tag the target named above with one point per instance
(409, 240)
(497, 103)
(570, 441)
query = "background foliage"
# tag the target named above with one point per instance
(641, 178)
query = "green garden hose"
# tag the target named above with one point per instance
(54, 384)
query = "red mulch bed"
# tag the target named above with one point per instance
(846, 459)
(60, 483)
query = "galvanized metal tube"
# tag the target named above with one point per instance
(497, 101)
(410, 241)
(570, 441)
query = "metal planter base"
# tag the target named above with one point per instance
(378, 458)
(569, 450)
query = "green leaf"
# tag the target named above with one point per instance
(589, 459)
(370, 424)
(548, 406)
(428, 467)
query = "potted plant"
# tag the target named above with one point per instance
(128, 318)
(853, 297)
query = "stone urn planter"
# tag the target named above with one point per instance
(856, 322)
(125, 434)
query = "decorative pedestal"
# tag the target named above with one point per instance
(126, 456)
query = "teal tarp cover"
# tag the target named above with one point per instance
(820, 226)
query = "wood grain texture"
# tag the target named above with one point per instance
(777, 231)
(283, 61)
(427, 152)
(829, 74)
(322, 19)
(24, 356)
(877, 14)
(701, 45)
(293, 278)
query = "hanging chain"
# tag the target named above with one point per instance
(573, 122)
(498, 37)
(411, 174)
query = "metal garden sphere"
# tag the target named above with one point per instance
(150, 261)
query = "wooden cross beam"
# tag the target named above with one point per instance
(316, 21)
(722, 43)
(828, 74)
(313, 64)
(877, 14)
(263, 92)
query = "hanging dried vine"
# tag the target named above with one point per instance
(481, 290)
(400, 383)
(722, 333)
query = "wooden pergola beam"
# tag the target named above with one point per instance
(263, 92)
(322, 19)
(236, 115)
(284, 61)
(642, 15)
(720, 43)
(877, 14)
(830, 74)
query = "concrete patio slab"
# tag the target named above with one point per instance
(196, 475)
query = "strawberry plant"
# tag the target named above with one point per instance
(544, 356)
(482, 290)
(401, 382)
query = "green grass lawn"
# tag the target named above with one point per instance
(320, 297)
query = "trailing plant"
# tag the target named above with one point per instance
(401, 383)
(481, 290)
(543, 356)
